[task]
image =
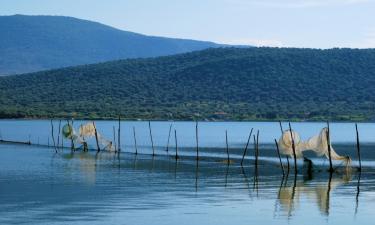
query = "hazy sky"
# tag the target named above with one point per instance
(290, 23)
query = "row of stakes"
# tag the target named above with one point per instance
(255, 141)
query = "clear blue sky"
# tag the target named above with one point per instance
(290, 23)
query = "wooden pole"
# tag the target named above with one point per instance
(281, 127)
(96, 137)
(247, 144)
(278, 154)
(196, 138)
(119, 134)
(329, 148)
(169, 136)
(72, 142)
(226, 141)
(62, 141)
(358, 148)
(282, 133)
(175, 138)
(114, 138)
(255, 152)
(58, 134)
(152, 142)
(294, 149)
(257, 148)
(53, 137)
(135, 141)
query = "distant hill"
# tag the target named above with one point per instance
(34, 43)
(222, 84)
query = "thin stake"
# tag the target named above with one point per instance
(196, 137)
(135, 142)
(282, 133)
(329, 148)
(72, 142)
(226, 141)
(294, 149)
(175, 138)
(281, 127)
(58, 134)
(255, 152)
(96, 137)
(358, 148)
(169, 136)
(114, 137)
(152, 142)
(278, 154)
(247, 144)
(62, 141)
(119, 134)
(53, 137)
(257, 148)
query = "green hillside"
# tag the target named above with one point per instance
(224, 84)
(34, 43)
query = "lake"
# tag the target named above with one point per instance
(39, 186)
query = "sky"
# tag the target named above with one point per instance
(281, 23)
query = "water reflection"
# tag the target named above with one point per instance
(314, 190)
(126, 185)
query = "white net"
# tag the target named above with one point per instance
(85, 132)
(317, 143)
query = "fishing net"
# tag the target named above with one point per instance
(85, 132)
(317, 143)
(67, 131)
(286, 145)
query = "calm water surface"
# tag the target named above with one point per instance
(38, 186)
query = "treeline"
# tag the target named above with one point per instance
(214, 84)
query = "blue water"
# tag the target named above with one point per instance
(38, 186)
(211, 134)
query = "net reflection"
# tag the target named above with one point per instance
(317, 190)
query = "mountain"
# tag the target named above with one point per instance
(214, 84)
(34, 43)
